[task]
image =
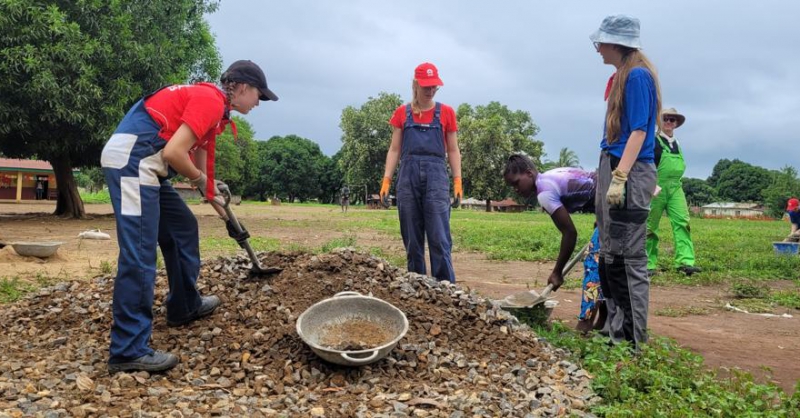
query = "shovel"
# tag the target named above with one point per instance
(531, 298)
(257, 269)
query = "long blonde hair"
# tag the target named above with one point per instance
(415, 105)
(631, 58)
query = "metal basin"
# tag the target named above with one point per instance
(315, 325)
(41, 249)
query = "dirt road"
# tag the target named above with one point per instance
(725, 339)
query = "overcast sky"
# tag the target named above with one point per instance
(728, 66)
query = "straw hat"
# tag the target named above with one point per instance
(672, 112)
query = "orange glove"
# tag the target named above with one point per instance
(458, 192)
(387, 181)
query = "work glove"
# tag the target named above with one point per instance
(387, 181)
(616, 191)
(458, 192)
(200, 184)
(240, 237)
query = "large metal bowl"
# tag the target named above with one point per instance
(313, 324)
(42, 249)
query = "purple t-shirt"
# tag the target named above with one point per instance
(570, 187)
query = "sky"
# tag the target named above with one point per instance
(728, 66)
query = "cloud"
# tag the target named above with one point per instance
(729, 66)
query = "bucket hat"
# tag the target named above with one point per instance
(246, 71)
(672, 112)
(427, 75)
(619, 30)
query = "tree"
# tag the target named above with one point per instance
(71, 69)
(716, 172)
(366, 135)
(291, 168)
(487, 136)
(743, 182)
(698, 192)
(237, 160)
(331, 178)
(566, 158)
(785, 185)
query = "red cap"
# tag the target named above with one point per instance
(427, 75)
(793, 203)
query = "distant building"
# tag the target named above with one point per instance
(20, 179)
(472, 203)
(732, 210)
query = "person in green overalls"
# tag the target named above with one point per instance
(671, 166)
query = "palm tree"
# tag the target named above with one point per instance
(567, 158)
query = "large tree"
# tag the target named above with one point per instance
(487, 135)
(291, 168)
(366, 135)
(698, 192)
(70, 69)
(743, 182)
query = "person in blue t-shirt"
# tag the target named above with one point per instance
(626, 176)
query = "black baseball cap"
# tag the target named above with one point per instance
(246, 71)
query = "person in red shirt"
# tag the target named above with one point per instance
(423, 138)
(171, 131)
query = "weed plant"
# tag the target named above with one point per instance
(665, 380)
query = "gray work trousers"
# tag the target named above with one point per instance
(623, 259)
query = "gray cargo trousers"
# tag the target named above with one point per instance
(623, 259)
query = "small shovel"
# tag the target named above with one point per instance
(531, 298)
(256, 270)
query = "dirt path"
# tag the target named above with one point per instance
(725, 339)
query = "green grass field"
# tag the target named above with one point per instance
(726, 249)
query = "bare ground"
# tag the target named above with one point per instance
(725, 339)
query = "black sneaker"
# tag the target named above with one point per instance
(156, 362)
(689, 270)
(208, 305)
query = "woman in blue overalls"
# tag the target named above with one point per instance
(171, 131)
(424, 136)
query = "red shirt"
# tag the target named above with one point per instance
(201, 107)
(447, 117)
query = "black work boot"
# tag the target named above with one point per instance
(156, 362)
(208, 304)
(689, 270)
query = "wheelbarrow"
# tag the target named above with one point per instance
(332, 326)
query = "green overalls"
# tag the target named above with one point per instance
(670, 171)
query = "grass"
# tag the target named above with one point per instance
(101, 196)
(12, 289)
(787, 298)
(665, 380)
(726, 249)
(681, 311)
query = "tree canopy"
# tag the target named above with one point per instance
(71, 69)
(292, 167)
(487, 136)
(366, 135)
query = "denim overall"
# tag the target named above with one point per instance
(149, 213)
(423, 197)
